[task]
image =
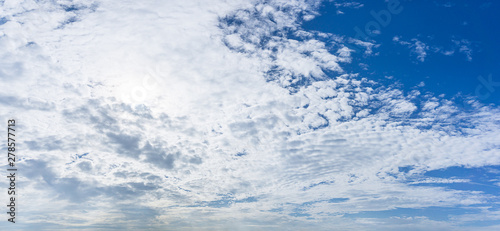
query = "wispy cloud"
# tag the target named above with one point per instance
(417, 47)
(349, 4)
(421, 49)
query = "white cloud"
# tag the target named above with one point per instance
(420, 49)
(188, 110)
(368, 46)
(464, 46)
(440, 181)
(417, 47)
(354, 5)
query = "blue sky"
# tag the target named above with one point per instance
(437, 24)
(253, 115)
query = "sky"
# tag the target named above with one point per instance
(252, 114)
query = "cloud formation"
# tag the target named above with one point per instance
(421, 49)
(211, 115)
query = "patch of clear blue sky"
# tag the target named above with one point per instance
(435, 23)
(482, 179)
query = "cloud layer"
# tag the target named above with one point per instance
(222, 115)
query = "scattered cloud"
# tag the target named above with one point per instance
(421, 49)
(214, 115)
(464, 46)
(350, 4)
(416, 46)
